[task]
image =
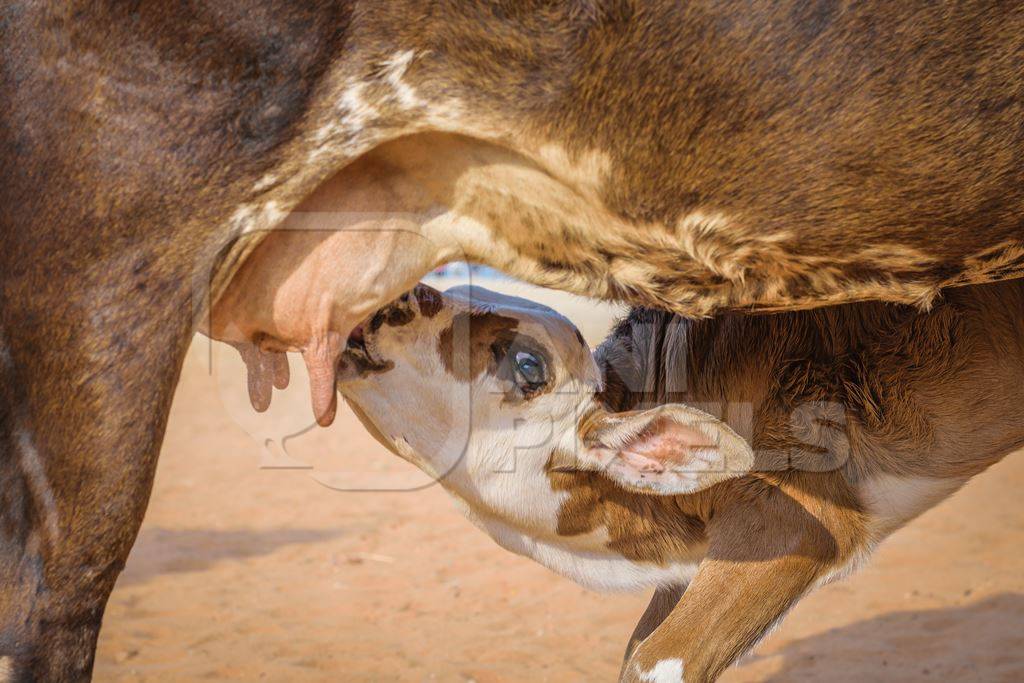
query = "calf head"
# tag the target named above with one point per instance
(470, 384)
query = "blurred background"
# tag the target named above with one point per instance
(258, 561)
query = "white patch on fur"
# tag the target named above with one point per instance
(892, 500)
(39, 485)
(271, 215)
(263, 183)
(356, 109)
(448, 114)
(665, 671)
(241, 219)
(396, 68)
(354, 112)
(249, 218)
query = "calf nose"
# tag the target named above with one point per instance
(421, 300)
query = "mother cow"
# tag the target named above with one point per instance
(696, 155)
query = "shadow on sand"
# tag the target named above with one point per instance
(982, 641)
(164, 551)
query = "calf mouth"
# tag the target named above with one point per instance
(362, 354)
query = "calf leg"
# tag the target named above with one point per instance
(662, 603)
(85, 388)
(769, 546)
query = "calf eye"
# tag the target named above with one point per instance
(530, 371)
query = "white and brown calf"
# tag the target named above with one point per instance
(631, 467)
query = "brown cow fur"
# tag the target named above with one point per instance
(694, 155)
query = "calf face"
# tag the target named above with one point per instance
(498, 398)
(443, 379)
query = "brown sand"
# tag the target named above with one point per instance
(244, 573)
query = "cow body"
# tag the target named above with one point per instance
(696, 157)
(860, 417)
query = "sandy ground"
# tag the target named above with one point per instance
(244, 571)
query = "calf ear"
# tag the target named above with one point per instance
(669, 450)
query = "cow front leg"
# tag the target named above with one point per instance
(768, 546)
(85, 389)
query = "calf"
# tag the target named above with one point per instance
(631, 467)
